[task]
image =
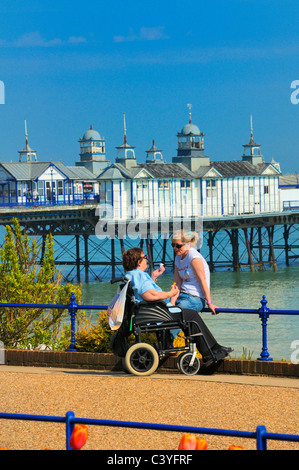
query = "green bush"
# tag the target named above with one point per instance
(23, 280)
(94, 337)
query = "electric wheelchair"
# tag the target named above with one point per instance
(156, 317)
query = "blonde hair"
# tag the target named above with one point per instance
(185, 236)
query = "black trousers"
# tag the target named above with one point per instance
(203, 343)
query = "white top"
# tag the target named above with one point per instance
(190, 283)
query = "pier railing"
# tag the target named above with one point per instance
(263, 312)
(260, 434)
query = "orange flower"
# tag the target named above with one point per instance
(234, 447)
(191, 442)
(78, 437)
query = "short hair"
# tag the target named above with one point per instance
(131, 258)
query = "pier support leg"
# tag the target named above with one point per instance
(149, 248)
(286, 232)
(250, 262)
(113, 257)
(271, 248)
(86, 261)
(43, 248)
(234, 238)
(260, 245)
(210, 244)
(164, 250)
(78, 257)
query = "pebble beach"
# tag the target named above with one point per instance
(214, 402)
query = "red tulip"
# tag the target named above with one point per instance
(191, 442)
(234, 447)
(78, 437)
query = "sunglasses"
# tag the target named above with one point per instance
(176, 245)
(143, 257)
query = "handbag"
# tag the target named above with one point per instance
(116, 308)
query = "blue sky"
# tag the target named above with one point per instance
(67, 65)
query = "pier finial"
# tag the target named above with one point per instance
(251, 128)
(125, 130)
(26, 135)
(27, 151)
(189, 106)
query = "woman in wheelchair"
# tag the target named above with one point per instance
(145, 289)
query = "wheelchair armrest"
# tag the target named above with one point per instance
(157, 311)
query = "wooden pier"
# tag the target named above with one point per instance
(255, 241)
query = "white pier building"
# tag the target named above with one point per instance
(191, 184)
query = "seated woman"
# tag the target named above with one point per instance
(145, 288)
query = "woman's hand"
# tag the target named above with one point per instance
(213, 307)
(158, 272)
(174, 291)
(154, 294)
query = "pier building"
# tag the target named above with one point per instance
(30, 182)
(191, 184)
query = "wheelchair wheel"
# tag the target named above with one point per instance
(141, 359)
(183, 363)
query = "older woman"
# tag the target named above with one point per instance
(145, 288)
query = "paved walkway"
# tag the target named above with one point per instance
(223, 378)
(220, 401)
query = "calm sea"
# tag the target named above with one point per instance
(239, 290)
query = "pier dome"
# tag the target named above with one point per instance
(190, 129)
(91, 134)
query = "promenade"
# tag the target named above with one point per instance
(239, 402)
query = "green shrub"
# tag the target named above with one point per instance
(92, 337)
(23, 280)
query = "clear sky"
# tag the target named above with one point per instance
(68, 64)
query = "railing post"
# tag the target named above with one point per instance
(261, 441)
(72, 308)
(264, 315)
(69, 426)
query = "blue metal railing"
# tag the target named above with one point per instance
(263, 312)
(56, 201)
(260, 434)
